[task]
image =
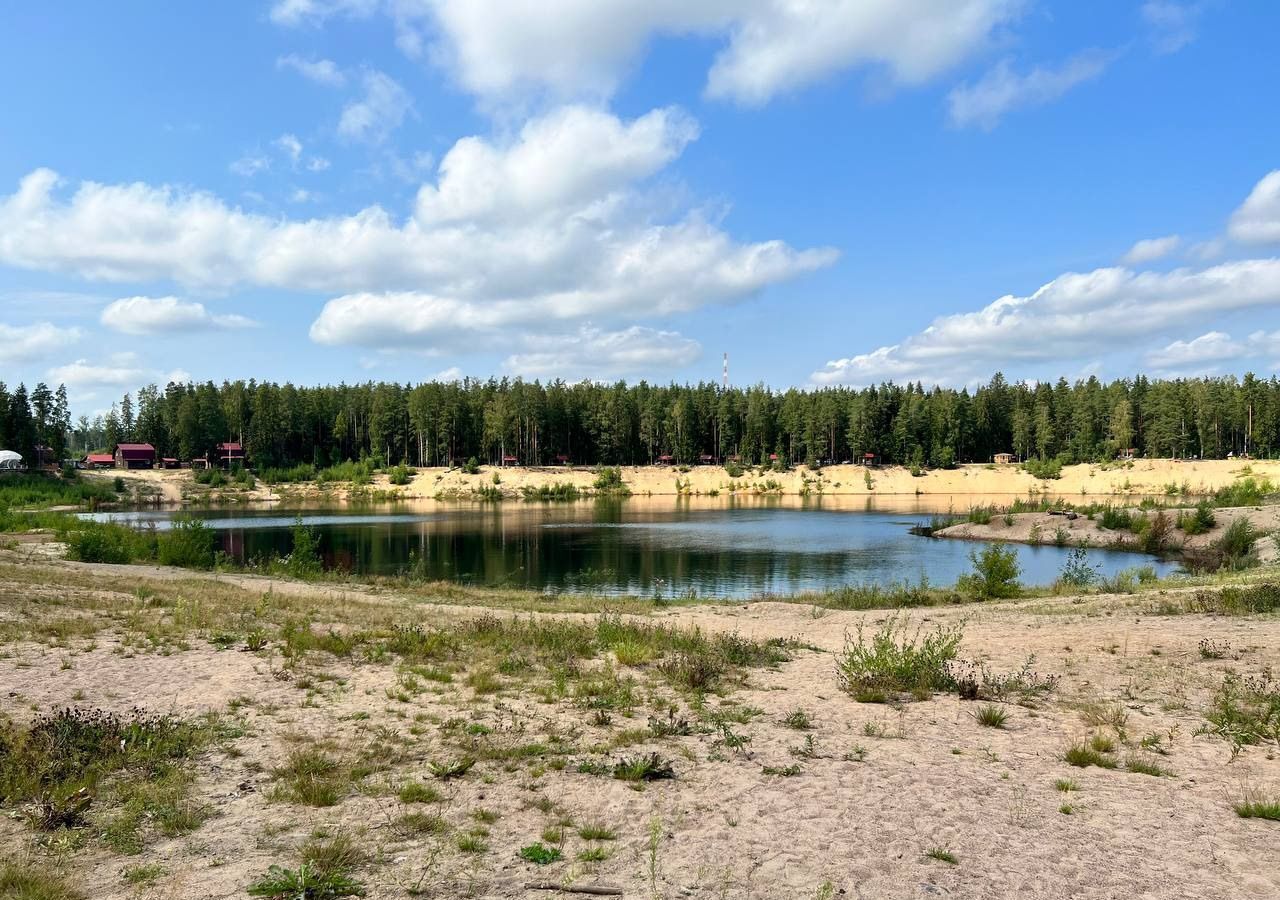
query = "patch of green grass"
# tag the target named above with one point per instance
(417, 792)
(311, 778)
(487, 816)
(470, 842)
(21, 880)
(1143, 764)
(422, 823)
(1254, 805)
(145, 874)
(451, 769)
(942, 855)
(798, 719)
(895, 661)
(1066, 785)
(540, 854)
(595, 831)
(1083, 755)
(304, 883)
(594, 854)
(991, 716)
(1246, 711)
(644, 768)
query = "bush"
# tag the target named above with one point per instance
(995, 574)
(1077, 572)
(306, 883)
(1115, 519)
(1155, 537)
(1199, 520)
(1234, 550)
(609, 480)
(107, 542)
(893, 662)
(1245, 492)
(298, 473)
(1044, 468)
(472, 466)
(733, 469)
(401, 474)
(304, 559)
(188, 544)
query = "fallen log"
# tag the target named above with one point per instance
(598, 890)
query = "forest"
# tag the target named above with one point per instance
(436, 424)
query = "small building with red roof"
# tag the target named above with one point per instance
(135, 456)
(230, 454)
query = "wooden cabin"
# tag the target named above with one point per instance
(135, 456)
(1003, 459)
(230, 454)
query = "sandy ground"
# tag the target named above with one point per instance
(987, 483)
(929, 777)
(1045, 528)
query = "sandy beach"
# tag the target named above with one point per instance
(784, 785)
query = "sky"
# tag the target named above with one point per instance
(830, 191)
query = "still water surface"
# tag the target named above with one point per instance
(724, 547)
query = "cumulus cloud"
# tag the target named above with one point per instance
(320, 71)
(497, 48)
(1203, 354)
(23, 343)
(290, 146)
(1151, 249)
(1075, 316)
(549, 227)
(380, 111)
(984, 103)
(595, 354)
(163, 315)
(1257, 221)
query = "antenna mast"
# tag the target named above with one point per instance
(726, 371)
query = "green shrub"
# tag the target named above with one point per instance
(1199, 520)
(609, 480)
(107, 542)
(539, 854)
(995, 574)
(401, 474)
(894, 662)
(1244, 492)
(189, 544)
(304, 883)
(1077, 573)
(298, 473)
(304, 559)
(472, 466)
(1043, 468)
(1115, 519)
(29, 881)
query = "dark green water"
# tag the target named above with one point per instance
(725, 547)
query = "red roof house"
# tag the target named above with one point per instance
(99, 461)
(135, 456)
(229, 454)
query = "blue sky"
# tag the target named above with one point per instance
(325, 190)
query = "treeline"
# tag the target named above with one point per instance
(441, 423)
(38, 419)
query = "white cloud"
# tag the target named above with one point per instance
(83, 373)
(162, 315)
(380, 111)
(1200, 356)
(321, 71)
(1151, 249)
(985, 102)
(583, 48)
(290, 146)
(250, 165)
(1075, 316)
(595, 354)
(23, 343)
(300, 195)
(317, 164)
(294, 13)
(546, 170)
(448, 376)
(1172, 24)
(504, 235)
(1257, 221)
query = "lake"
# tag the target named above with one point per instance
(722, 547)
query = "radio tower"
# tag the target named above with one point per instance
(726, 371)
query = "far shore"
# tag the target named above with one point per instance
(978, 483)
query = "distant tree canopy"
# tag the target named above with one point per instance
(438, 423)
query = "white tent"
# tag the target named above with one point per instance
(10, 460)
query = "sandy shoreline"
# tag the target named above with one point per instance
(981, 483)
(881, 787)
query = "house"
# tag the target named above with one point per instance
(509, 460)
(1129, 453)
(562, 460)
(169, 462)
(230, 455)
(135, 456)
(1003, 459)
(99, 461)
(870, 460)
(706, 459)
(666, 459)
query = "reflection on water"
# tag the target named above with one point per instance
(733, 546)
